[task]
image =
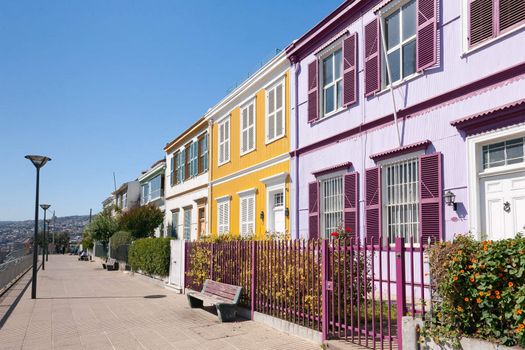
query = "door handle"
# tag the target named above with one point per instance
(506, 207)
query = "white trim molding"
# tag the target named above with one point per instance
(475, 169)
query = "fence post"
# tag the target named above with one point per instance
(212, 250)
(400, 288)
(324, 290)
(253, 277)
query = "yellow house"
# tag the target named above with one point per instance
(249, 191)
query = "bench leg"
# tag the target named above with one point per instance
(194, 302)
(227, 313)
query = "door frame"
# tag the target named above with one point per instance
(475, 170)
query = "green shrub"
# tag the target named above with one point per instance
(150, 256)
(482, 284)
(120, 238)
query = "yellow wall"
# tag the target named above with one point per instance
(246, 182)
(262, 151)
(238, 163)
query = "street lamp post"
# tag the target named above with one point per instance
(47, 240)
(38, 162)
(44, 245)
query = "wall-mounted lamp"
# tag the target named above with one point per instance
(286, 212)
(261, 215)
(450, 200)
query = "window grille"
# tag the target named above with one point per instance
(331, 205)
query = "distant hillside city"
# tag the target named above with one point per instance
(14, 233)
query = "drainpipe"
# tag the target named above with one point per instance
(297, 70)
(210, 170)
(383, 44)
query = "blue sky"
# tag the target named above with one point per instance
(103, 85)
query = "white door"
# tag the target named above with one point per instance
(503, 200)
(277, 208)
(176, 279)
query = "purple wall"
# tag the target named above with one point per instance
(455, 69)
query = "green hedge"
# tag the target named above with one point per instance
(150, 256)
(482, 284)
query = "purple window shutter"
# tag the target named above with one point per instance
(349, 70)
(313, 210)
(313, 97)
(480, 21)
(426, 37)
(372, 59)
(373, 203)
(430, 197)
(351, 208)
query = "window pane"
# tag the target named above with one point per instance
(409, 58)
(271, 101)
(409, 20)
(393, 59)
(497, 154)
(329, 99)
(245, 118)
(339, 94)
(250, 115)
(271, 126)
(392, 30)
(515, 151)
(279, 123)
(328, 76)
(338, 64)
(279, 96)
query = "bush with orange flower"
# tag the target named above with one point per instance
(482, 287)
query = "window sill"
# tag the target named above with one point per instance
(330, 115)
(473, 49)
(223, 163)
(275, 139)
(399, 83)
(247, 152)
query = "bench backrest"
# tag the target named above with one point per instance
(111, 261)
(226, 291)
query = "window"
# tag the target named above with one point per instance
(488, 19)
(401, 200)
(275, 112)
(172, 171)
(125, 200)
(224, 141)
(187, 224)
(144, 194)
(180, 165)
(278, 199)
(247, 214)
(400, 38)
(223, 216)
(175, 224)
(155, 190)
(203, 154)
(194, 158)
(503, 153)
(332, 79)
(248, 128)
(331, 205)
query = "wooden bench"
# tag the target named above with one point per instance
(224, 296)
(110, 264)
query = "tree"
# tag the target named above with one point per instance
(62, 241)
(142, 221)
(102, 227)
(87, 240)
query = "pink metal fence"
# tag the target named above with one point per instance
(346, 289)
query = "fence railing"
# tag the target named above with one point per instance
(346, 289)
(120, 253)
(12, 269)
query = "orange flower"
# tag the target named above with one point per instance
(470, 267)
(521, 326)
(485, 248)
(488, 294)
(462, 271)
(477, 275)
(474, 261)
(496, 292)
(478, 300)
(480, 294)
(472, 279)
(460, 309)
(455, 278)
(518, 330)
(467, 299)
(511, 284)
(498, 296)
(519, 312)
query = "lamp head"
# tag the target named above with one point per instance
(38, 161)
(45, 206)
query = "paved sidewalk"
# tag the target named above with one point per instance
(81, 306)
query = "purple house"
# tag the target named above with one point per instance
(408, 120)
